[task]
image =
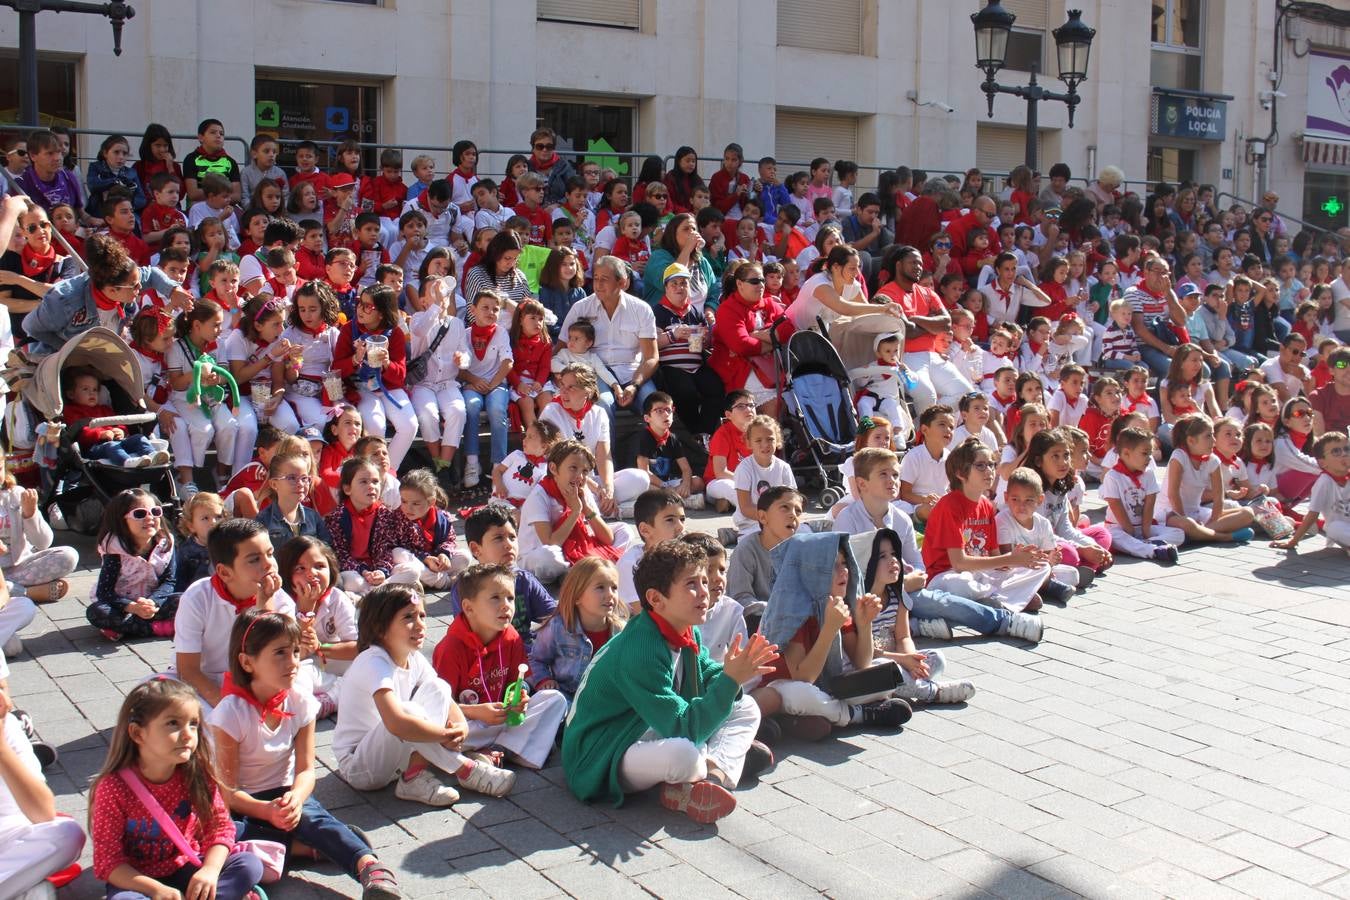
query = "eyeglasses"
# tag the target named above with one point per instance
(755, 281)
(1338, 450)
(656, 196)
(295, 479)
(143, 512)
(982, 466)
(544, 146)
(365, 304)
(742, 406)
(45, 226)
(135, 286)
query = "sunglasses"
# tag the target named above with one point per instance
(942, 245)
(655, 196)
(1341, 364)
(755, 281)
(544, 146)
(45, 226)
(22, 154)
(146, 512)
(1300, 413)
(982, 466)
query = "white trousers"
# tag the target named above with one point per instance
(1338, 531)
(1129, 543)
(31, 852)
(356, 584)
(547, 563)
(195, 430)
(655, 760)
(406, 560)
(939, 380)
(1010, 588)
(381, 757)
(532, 740)
(43, 566)
(245, 434)
(377, 411)
(310, 411)
(720, 489)
(629, 484)
(437, 403)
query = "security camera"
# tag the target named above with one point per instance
(944, 107)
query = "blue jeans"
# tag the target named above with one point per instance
(932, 604)
(318, 829)
(118, 452)
(1157, 361)
(1239, 361)
(498, 410)
(239, 875)
(607, 401)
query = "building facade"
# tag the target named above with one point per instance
(1200, 89)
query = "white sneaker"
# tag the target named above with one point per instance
(13, 647)
(160, 458)
(952, 692)
(625, 510)
(1025, 627)
(488, 779)
(938, 629)
(425, 787)
(694, 502)
(472, 472)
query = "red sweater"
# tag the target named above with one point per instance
(733, 346)
(723, 189)
(137, 248)
(124, 831)
(157, 218)
(379, 190)
(1098, 429)
(532, 360)
(316, 178)
(73, 412)
(309, 264)
(395, 373)
(478, 672)
(541, 224)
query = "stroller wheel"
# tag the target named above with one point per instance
(829, 497)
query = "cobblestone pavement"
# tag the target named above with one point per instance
(1180, 732)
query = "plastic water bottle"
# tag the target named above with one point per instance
(513, 695)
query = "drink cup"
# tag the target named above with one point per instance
(377, 350)
(332, 386)
(696, 339)
(261, 394)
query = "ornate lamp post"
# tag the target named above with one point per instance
(1073, 43)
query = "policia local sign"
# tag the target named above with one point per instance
(1194, 118)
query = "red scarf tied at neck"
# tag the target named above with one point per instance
(363, 522)
(34, 263)
(275, 705)
(103, 301)
(223, 592)
(1136, 478)
(480, 336)
(578, 416)
(581, 542)
(1340, 480)
(1200, 459)
(677, 640)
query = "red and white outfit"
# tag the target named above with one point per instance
(1132, 490)
(590, 425)
(306, 394)
(549, 562)
(938, 379)
(437, 399)
(237, 347)
(958, 521)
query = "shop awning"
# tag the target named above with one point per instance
(1318, 151)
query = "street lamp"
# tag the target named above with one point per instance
(117, 11)
(1073, 43)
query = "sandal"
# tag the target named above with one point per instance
(49, 592)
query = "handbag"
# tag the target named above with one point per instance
(271, 854)
(417, 367)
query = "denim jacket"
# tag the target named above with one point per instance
(69, 309)
(804, 564)
(561, 655)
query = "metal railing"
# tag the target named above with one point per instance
(1283, 216)
(132, 135)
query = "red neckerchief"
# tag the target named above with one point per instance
(679, 313)
(273, 707)
(428, 525)
(1004, 400)
(1228, 461)
(1034, 347)
(1271, 422)
(580, 542)
(103, 301)
(464, 173)
(312, 332)
(660, 441)
(576, 417)
(526, 472)
(1141, 286)
(1072, 401)
(1183, 409)
(1341, 480)
(34, 264)
(424, 201)
(224, 593)
(1136, 477)
(1006, 295)
(152, 355)
(480, 336)
(1260, 464)
(1127, 271)
(1136, 402)
(1299, 438)
(362, 525)
(201, 151)
(676, 640)
(1198, 460)
(544, 167)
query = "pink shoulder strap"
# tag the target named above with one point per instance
(166, 822)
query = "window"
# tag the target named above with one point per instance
(592, 128)
(999, 149)
(1175, 60)
(801, 137)
(801, 24)
(611, 13)
(299, 110)
(56, 80)
(1026, 43)
(1171, 164)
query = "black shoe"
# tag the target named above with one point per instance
(46, 754)
(758, 759)
(1166, 554)
(770, 732)
(1086, 575)
(890, 713)
(1056, 591)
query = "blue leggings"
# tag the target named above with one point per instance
(240, 874)
(318, 829)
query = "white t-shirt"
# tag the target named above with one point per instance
(371, 672)
(594, 425)
(517, 484)
(1118, 486)
(412, 263)
(492, 218)
(755, 479)
(12, 818)
(1069, 413)
(334, 621)
(266, 756)
(1340, 291)
(924, 474)
(498, 349)
(1276, 375)
(726, 620)
(318, 349)
(1145, 406)
(626, 564)
(1261, 475)
(961, 433)
(442, 370)
(251, 269)
(236, 347)
(202, 625)
(617, 337)
(806, 308)
(1011, 533)
(1330, 499)
(1195, 480)
(539, 507)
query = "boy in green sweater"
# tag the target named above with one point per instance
(654, 709)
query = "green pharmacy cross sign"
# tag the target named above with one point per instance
(1333, 206)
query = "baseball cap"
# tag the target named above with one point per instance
(674, 270)
(1188, 289)
(341, 180)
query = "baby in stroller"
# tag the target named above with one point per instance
(881, 387)
(105, 443)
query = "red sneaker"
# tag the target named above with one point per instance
(162, 628)
(703, 801)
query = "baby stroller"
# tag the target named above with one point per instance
(819, 422)
(81, 488)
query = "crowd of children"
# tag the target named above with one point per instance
(310, 326)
